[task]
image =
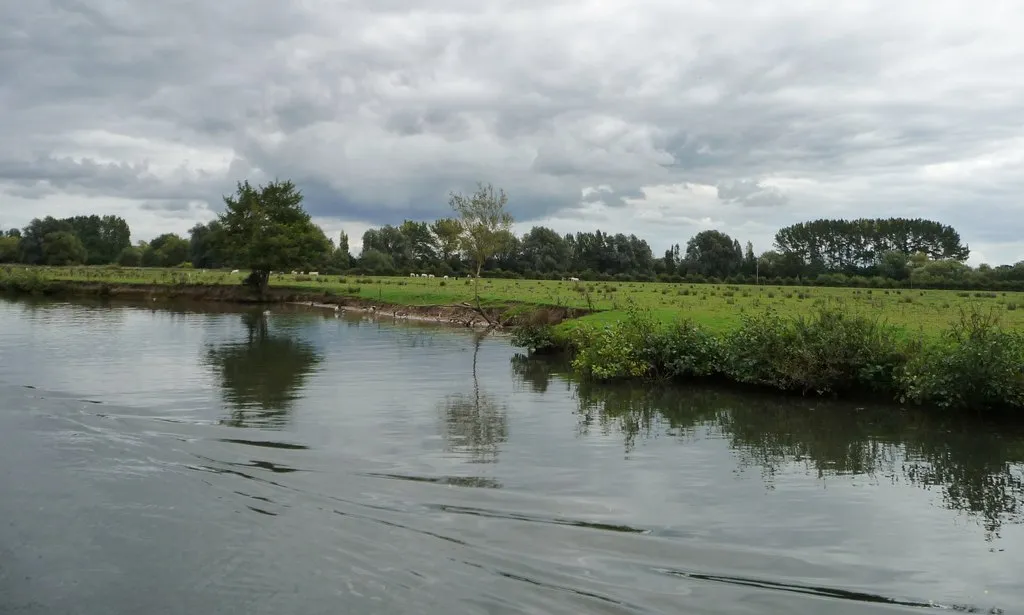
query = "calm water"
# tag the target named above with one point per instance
(172, 460)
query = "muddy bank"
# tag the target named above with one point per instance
(461, 314)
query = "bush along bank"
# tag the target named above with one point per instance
(975, 365)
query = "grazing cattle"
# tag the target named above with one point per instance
(412, 275)
(314, 273)
(234, 271)
(574, 279)
(446, 277)
(430, 275)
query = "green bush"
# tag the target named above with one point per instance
(535, 338)
(830, 352)
(975, 365)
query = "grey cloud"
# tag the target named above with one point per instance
(379, 109)
(751, 193)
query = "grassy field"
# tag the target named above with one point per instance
(716, 306)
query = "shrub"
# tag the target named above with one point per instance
(976, 364)
(830, 352)
(684, 350)
(535, 338)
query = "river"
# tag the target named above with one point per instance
(197, 459)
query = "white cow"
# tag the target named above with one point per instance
(574, 279)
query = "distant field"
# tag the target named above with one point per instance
(716, 306)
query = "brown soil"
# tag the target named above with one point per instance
(459, 314)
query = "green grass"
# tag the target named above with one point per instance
(717, 307)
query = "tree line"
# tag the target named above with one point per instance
(478, 240)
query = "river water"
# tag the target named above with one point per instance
(158, 459)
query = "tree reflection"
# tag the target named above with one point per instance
(476, 424)
(261, 375)
(977, 467)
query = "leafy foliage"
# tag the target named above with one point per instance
(266, 228)
(976, 364)
(485, 225)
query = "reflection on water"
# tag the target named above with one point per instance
(476, 423)
(261, 375)
(978, 468)
(201, 459)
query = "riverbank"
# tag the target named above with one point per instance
(973, 362)
(491, 313)
(718, 308)
(976, 364)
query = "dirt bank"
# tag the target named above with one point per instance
(459, 314)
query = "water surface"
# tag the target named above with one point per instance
(196, 460)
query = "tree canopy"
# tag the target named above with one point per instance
(266, 228)
(270, 230)
(485, 225)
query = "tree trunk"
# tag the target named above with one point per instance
(259, 280)
(476, 283)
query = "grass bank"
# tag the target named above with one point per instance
(718, 308)
(225, 287)
(976, 363)
(948, 349)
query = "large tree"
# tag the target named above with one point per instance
(266, 228)
(170, 250)
(33, 238)
(63, 248)
(485, 226)
(205, 246)
(103, 237)
(422, 243)
(9, 249)
(544, 250)
(447, 231)
(713, 253)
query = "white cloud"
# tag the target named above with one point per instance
(787, 110)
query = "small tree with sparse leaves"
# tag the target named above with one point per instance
(485, 226)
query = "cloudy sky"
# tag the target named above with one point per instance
(657, 117)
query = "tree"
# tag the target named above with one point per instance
(713, 253)
(343, 246)
(391, 241)
(340, 258)
(421, 243)
(130, 257)
(205, 245)
(103, 237)
(895, 265)
(484, 224)
(170, 250)
(447, 231)
(63, 248)
(33, 238)
(749, 260)
(9, 249)
(376, 261)
(266, 228)
(544, 250)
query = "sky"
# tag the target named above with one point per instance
(654, 117)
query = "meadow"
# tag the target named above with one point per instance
(716, 307)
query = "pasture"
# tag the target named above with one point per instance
(718, 307)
